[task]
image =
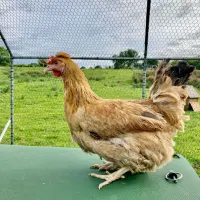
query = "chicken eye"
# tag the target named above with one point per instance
(55, 63)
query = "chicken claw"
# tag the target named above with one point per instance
(111, 177)
(108, 166)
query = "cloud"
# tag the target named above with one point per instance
(173, 44)
(100, 28)
(83, 28)
(172, 32)
(185, 10)
(196, 46)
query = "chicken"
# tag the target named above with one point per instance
(135, 136)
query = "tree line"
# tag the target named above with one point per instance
(117, 64)
(4, 57)
(128, 64)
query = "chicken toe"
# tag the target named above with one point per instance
(110, 177)
(108, 166)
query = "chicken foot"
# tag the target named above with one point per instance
(108, 166)
(110, 177)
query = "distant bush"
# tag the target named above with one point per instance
(137, 78)
(30, 76)
(195, 79)
(34, 73)
(96, 78)
(4, 90)
(27, 65)
(42, 62)
(19, 65)
(98, 67)
(196, 74)
(4, 57)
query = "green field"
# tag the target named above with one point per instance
(39, 114)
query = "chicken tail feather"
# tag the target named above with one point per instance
(159, 78)
(168, 91)
(180, 73)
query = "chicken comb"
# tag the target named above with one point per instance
(62, 55)
(50, 60)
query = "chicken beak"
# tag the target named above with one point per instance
(48, 68)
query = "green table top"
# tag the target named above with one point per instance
(49, 173)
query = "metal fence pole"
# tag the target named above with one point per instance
(145, 49)
(12, 100)
(11, 88)
(144, 79)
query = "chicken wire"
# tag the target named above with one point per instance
(96, 30)
(174, 29)
(4, 99)
(82, 28)
(100, 28)
(4, 95)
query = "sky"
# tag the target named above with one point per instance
(95, 28)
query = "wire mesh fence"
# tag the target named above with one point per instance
(39, 107)
(82, 28)
(100, 28)
(93, 32)
(174, 29)
(4, 99)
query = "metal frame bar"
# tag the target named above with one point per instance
(6, 44)
(111, 58)
(147, 28)
(5, 129)
(82, 58)
(12, 100)
(144, 76)
(11, 88)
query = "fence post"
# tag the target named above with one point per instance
(12, 100)
(11, 88)
(145, 49)
(144, 79)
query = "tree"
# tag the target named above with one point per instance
(125, 64)
(4, 57)
(174, 62)
(195, 63)
(42, 62)
(97, 67)
(152, 62)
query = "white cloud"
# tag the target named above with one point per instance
(100, 28)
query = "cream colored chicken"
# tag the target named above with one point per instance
(135, 136)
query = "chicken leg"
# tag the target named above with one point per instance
(111, 177)
(108, 166)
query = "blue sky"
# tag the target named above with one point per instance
(100, 28)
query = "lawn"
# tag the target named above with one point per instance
(39, 115)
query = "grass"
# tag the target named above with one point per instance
(39, 114)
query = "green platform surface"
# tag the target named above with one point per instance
(48, 173)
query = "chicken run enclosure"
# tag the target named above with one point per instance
(92, 32)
